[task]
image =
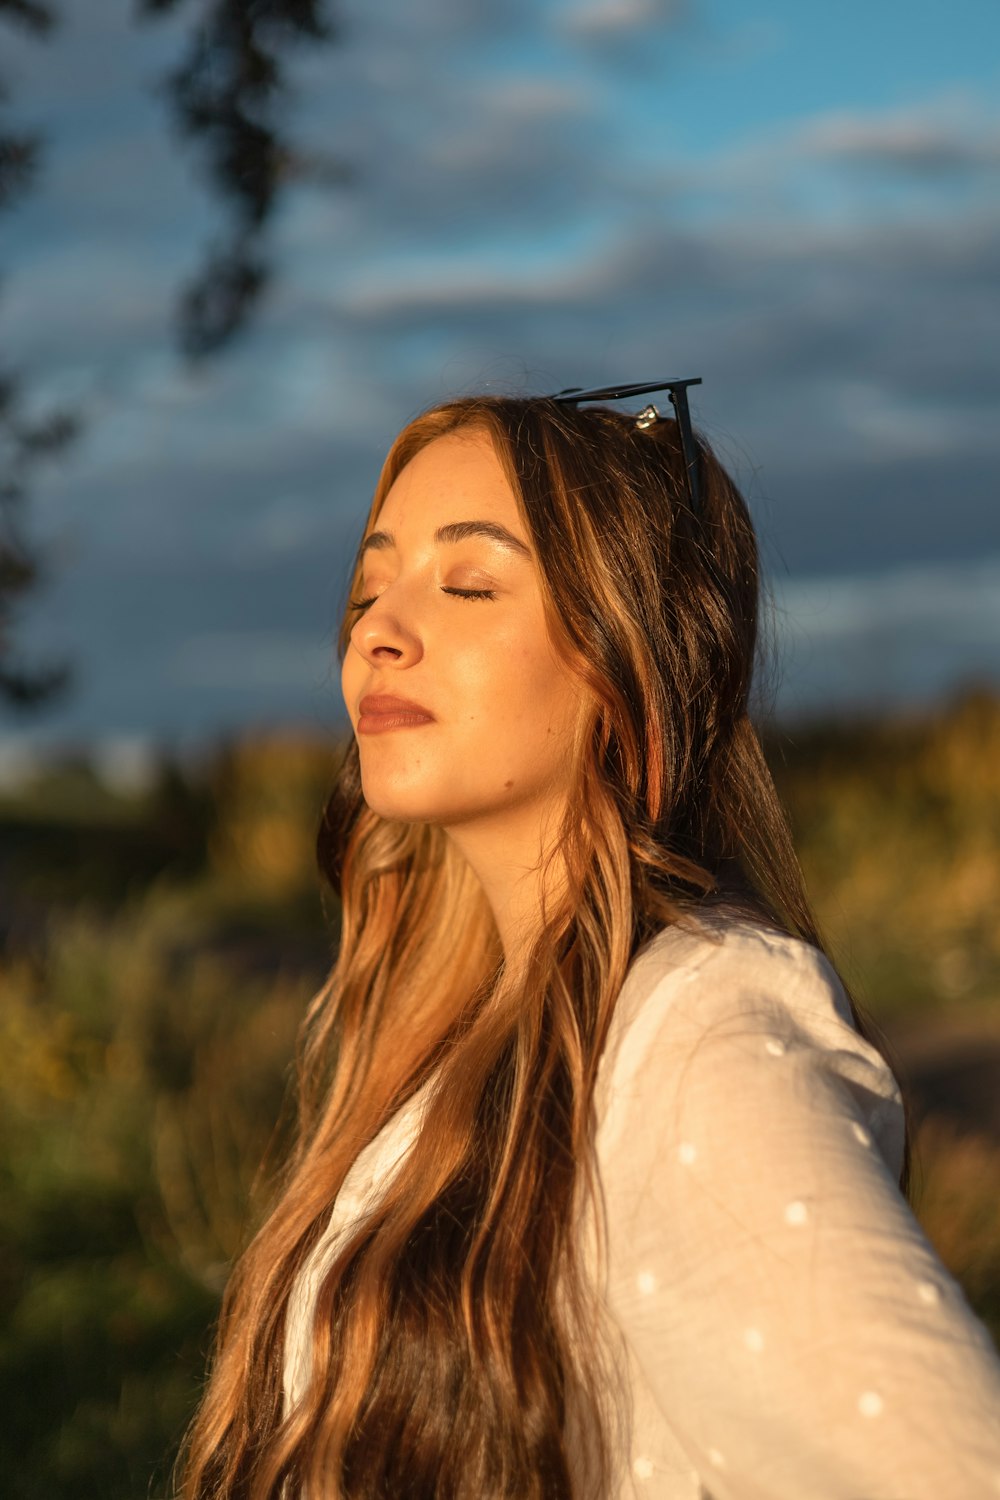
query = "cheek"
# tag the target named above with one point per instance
(543, 698)
(349, 681)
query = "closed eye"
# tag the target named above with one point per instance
(362, 604)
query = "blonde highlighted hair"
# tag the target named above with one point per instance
(454, 1341)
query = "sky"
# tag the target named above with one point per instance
(797, 203)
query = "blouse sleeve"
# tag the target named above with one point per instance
(796, 1328)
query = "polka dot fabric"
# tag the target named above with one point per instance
(785, 1328)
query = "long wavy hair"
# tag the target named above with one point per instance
(454, 1335)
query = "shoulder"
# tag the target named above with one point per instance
(712, 1004)
(717, 966)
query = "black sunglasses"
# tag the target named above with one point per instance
(677, 389)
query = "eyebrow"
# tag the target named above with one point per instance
(455, 531)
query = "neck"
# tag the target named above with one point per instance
(512, 859)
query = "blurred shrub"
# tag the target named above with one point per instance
(268, 794)
(68, 835)
(958, 1203)
(139, 1088)
(898, 828)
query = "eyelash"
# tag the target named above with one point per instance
(362, 604)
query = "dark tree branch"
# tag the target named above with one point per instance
(24, 442)
(226, 95)
(20, 157)
(31, 14)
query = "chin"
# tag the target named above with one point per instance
(421, 805)
(400, 804)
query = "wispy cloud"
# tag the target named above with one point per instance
(597, 20)
(946, 138)
(925, 630)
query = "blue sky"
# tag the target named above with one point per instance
(798, 203)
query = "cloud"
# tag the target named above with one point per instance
(925, 143)
(597, 20)
(850, 173)
(473, 282)
(901, 637)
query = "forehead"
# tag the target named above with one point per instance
(451, 474)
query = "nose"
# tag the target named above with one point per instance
(382, 634)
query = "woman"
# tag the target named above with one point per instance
(597, 1187)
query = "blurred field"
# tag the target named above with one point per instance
(160, 949)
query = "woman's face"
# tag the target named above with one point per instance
(455, 626)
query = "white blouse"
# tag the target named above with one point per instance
(784, 1329)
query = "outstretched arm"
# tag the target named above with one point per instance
(796, 1328)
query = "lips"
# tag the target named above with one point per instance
(378, 711)
(387, 703)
